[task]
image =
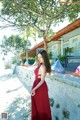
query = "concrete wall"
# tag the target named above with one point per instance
(64, 92)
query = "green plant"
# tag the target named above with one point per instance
(13, 60)
(62, 58)
(31, 60)
(68, 50)
(3, 58)
(50, 55)
(7, 65)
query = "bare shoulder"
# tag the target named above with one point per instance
(43, 67)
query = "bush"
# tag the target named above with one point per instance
(62, 58)
(13, 60)
(23, 60)
(7, 65)
(31, 60)
(50, 55)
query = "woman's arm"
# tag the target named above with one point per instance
(43, 74)
(76, 74)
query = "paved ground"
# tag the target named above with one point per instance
(14, 98)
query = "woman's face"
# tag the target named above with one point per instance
(40, 58)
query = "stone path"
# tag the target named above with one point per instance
(14, 98)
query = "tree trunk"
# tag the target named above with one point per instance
(45, 42)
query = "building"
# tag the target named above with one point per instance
(65, 40)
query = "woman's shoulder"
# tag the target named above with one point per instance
(43, 67)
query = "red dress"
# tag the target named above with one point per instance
(40, 106)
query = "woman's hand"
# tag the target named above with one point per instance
(33, 92)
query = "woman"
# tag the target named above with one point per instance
(77, 72)
(40, 106)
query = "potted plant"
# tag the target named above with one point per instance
(63, 60)
(68, 50)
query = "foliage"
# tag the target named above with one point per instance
(31, 60)
(68, 50)
(62, 58)
(3, 58)
(7, 65)
(50, 55)
(39, 14)
(29, 34)
(13, 60)
(13, 43)
(23, 60)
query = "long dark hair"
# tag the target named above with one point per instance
(46, 60)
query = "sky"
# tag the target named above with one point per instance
(8, 32)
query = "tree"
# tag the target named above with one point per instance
(13, 43)
(28, 35)
(39, 14)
